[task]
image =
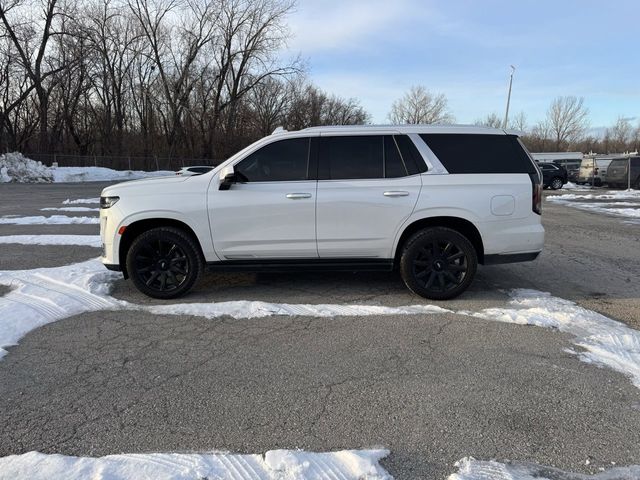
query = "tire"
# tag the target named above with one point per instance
(556, 183)
(444, 275)
(164, 262)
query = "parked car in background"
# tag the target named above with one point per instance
(618, 173)
(569, 160)
(593, 171)
(431, 201)
(199, 170)
(553, 176)
(572, 167)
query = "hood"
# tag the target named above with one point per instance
(145, 184)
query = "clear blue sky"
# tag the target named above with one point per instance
(376, 49)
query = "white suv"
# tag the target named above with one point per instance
(432, 201)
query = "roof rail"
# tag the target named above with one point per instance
(278, 131)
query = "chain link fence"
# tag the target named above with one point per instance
(122, 162)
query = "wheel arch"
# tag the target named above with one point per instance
(134, 229)
(459, 224)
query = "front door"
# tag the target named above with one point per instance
(270, 212)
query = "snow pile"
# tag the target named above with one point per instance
(606, 342)
(101, 174)
(610, 195)
(53, 220)
(83, 240)
(273, 465)
(15, 167)
(472, 469)
(599, 206)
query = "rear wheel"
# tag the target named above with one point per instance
(164, 262)
(438, 263)
(556, 183)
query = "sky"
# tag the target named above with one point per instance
(375, 50)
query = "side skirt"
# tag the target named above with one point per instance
(302, 264)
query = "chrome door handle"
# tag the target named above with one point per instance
(297, 196)
(397, 193)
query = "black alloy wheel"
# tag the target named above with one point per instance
(164, 262)
(438, 263)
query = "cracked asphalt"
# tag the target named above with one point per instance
(431, 388)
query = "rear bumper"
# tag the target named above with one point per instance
(498, 259)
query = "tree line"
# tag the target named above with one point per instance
(195, 78)
(198, 79)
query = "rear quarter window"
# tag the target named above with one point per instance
(471, 153)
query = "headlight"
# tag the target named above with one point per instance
(108, 202)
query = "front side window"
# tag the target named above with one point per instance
(281, 161)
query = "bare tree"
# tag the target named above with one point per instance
(620, 135)
(519, 122)
(492, 120)
(567, 118)
(419, 105)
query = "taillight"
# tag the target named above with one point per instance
(536, 196)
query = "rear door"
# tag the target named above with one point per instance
(365, 193)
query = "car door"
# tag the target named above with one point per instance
(365, 193)
(269, 212)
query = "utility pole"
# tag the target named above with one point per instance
(506, 114)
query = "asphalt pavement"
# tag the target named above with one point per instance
(431, 388)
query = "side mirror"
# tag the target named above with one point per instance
(227, 178)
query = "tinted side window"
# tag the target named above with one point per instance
(393, 164)
(282, 161)
(410, 154)
(343, 158)
(470, 153)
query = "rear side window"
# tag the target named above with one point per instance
(410, 154)
(282, 161)
(470, 153)
(393, 164)
(356, 157)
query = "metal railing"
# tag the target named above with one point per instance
(122, 162)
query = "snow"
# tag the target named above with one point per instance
(87, 201)
(52, 220)
(273, 465)
(70, 209)
(609, 195)
(599, 203)
(472, 469)
(101, 174)
(15, 167)
(83, 240)
(605, 342)
(46, 295)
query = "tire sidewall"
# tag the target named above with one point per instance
(556, 184)
(180, 238)
(415, 244)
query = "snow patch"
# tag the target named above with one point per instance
(45, 295)
(471, 469)
(101, 174)
(610, 195)
(273, 465)
(88, 201)
(70, 209)
(53, 220)
(83, 240)
(15, 167)
(606, 342)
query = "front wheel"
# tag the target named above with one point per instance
(164, 262)
(556, 183)
(438, 263)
